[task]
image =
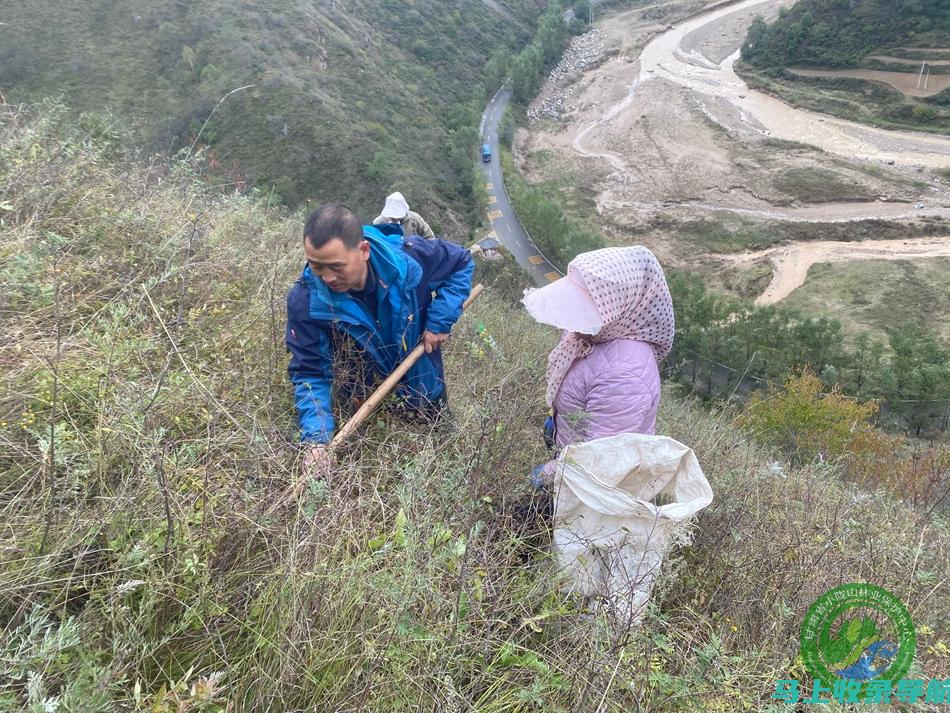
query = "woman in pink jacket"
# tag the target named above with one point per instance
(616, 314)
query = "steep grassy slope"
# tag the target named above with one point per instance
(146, 426)
(348, 99)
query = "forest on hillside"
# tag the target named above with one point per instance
(838, 33)
(909, 375)
(335, 101)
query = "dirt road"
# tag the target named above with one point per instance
(907, 82)
(792, 262)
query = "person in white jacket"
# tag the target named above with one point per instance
(397, 210)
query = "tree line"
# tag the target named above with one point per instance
(528, 67)
(910, 374)
(832, 33)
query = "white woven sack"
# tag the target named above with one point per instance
(617, 501)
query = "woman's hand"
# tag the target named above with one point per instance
(549, 432)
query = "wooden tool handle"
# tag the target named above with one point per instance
(370, 404)
(376, 398)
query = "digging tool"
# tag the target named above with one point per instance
(375, 399)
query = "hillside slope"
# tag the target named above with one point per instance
(146, 425)
(348, 99)
(858, 60)
(833, 33)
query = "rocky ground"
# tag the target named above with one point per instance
(584, 52)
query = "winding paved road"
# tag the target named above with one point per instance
(504, 222)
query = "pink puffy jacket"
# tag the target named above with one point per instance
(614, 389)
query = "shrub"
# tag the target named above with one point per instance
(924, 113)
(807, 423)
(831, 428)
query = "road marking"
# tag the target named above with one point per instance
(492, 200)
(494, 214)
(508, 227)
(552, 276)
(535, 259)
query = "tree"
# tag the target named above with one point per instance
(525, 72)
(839, 32)
(864, 363)
(582, 10)
(552, 35)
(378, 167)
(919, 374)
(188, 56)
(755, 41)
(496, 69)
(924, 113)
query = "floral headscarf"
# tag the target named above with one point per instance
(633, 300)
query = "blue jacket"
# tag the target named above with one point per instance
(409, 270)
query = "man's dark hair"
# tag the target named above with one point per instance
(333, 220)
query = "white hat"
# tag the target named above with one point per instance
(396, 206)
(565, 304)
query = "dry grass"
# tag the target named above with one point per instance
(147, 424)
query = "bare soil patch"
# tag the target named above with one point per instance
(792, 262)
(904, 82)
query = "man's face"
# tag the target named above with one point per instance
(340, 268)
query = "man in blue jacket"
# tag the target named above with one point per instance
(371, 286)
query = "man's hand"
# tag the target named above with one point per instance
(317, 461)
(432, 341)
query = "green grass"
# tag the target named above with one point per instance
(885, 66)
(855, 231)
(348, 101)
(146, 426)
(575, 190)
(789, 146)
(819, 185)
(544, 209)
(748, 282)
(879, 295)
(920, 52)
(725, 232)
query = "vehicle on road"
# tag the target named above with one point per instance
(486, 153)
